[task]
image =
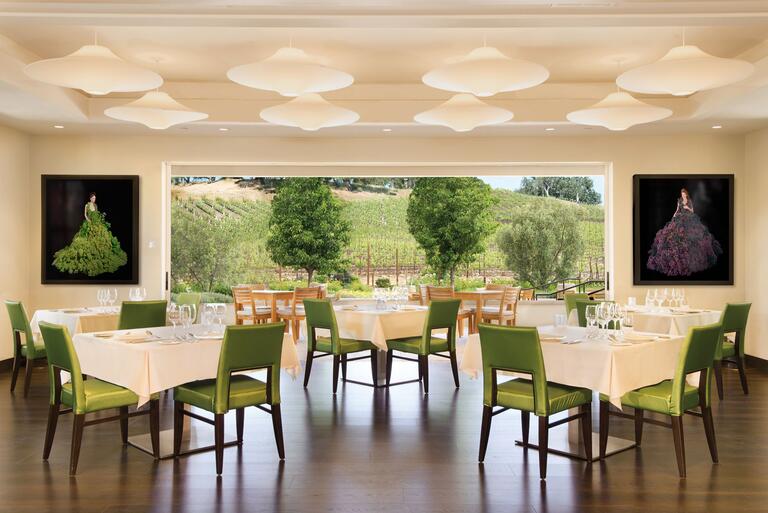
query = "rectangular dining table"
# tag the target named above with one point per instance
(272, 297)
(159, 363)
(672, 321)
(79, 320)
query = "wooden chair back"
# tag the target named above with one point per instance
(509, 299)
(302, 293)
(439, 293)
(495, 286)
(243, 297)
(527, 294)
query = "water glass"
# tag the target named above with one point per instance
(221, 311)
(111, 296)
(632, 301)
(591, 316)
(207, 316)
(560, 321)
(174, 316)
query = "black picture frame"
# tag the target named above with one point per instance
(654, 203)
(63, 199)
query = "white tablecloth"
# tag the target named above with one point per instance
(594, 364)
(150, 367)
(673, 323)
(79, 320)
(379, 325)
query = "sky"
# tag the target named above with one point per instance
(513, 183)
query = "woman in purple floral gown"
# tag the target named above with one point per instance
(684, 246)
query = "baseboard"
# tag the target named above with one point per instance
(757, 362)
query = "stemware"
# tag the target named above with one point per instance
(173, 316)
(111, 297)
(591, 316)
(100, 297)
(603, 317)
(619, 314)
(220, 311)
(185, 316)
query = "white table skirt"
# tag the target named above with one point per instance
(594, 364)
(149, 367)
(673, 323)
(79, 320)
(377, 326)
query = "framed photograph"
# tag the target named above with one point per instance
(90, 229)
(683, 229)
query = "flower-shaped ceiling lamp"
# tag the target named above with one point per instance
(463, 112)
(95, 70)
(309, 112)
(486, 71)
(685, 70)
(618, 111)
(155, 110)
(290, 72)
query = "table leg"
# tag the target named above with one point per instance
(478, 313)
(274, 308)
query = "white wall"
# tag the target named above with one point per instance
(15, 261)
(756, 243)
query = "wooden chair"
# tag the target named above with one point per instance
(464, 314)
(506, 312)
(245, 307)
(30, 351)
(295, 314)
(527, 294)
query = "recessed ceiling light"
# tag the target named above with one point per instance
(386, 129)
(717, 127)
(222, 129)
(58, 126)
(549, 129)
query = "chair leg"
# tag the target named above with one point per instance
(124, 424)
(50, 432)
(15, 372)
(336, 363)
(740, 363)
(586, 430)
(718, 368)
(77, 437)
(295, 331)
(709, 430)
(525, 421)
(344, 367)
(308, 367)
(240, 422)
(425, 371)
(178, 426)
(374, 366)
(28, 376)
(604, 424)
(638, 426)
(389, 366)
(277, 425)
(677, 434)
(154, 426)
(543, 445)
(485, 432)
(218, 428)
(460, 324)
(455, 368)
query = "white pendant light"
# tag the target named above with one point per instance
(95, 70)
(155, 110)
(486, 71)
(463, 112)
(618, 111)
(685, 70)
(309, 112)
(290, 72)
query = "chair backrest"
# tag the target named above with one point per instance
(249, 347)
(697, 354)
(513, 349)
(242, 297)
(442, 314)
(495, 286)
(320, 315)
(142, 314)
(20, 326)
(62, 356)
(570, 301)
(527, 294)
(190, 298)
(302, 293)
(734, 320)
(438, 293)
(509, 300)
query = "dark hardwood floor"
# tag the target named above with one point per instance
(375, 451)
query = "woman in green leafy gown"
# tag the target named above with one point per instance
(93, 250)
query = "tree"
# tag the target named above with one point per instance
(571, 188)
(307, 227)
(541, 245)
(450, 218)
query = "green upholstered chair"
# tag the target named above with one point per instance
(320, 315)
(571, 299)
(142, 314)
(30, 350)
(581, 311)
(82, 397)
(519, 350)
(675, 397)
(190, 298)
(244, 348)
(734, 320)
(442, 315)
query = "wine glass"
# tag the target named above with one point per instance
(207, 316)
(142, 293)
(100, 297)
(619, 314)
(192, 313)
(682, 298)
(112, 297)
(185, 315)
(591, 316)
(132, 294)
(174, 316)
(650, 298)
(604, 315)
(221, 311)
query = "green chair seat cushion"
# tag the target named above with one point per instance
(729, 349)
(243, 391)
(518, 394)
(658, 398)
(413, 344)
(100, 395)
(348, 345)
(39, 348)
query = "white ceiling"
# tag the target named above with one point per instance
(387, 45)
